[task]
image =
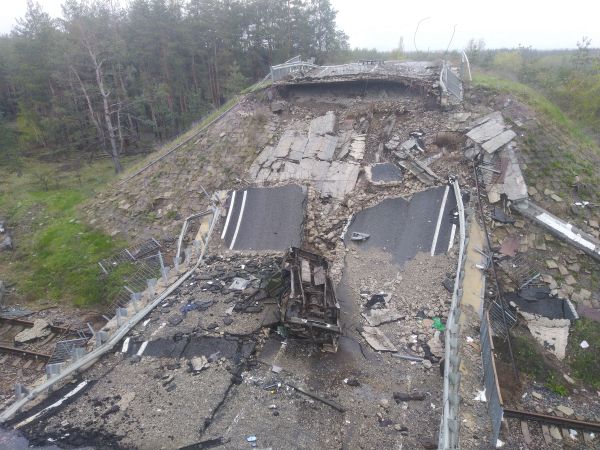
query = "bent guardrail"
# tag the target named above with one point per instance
(104, 346)
(449, 426)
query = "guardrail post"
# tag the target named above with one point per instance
(77, 353)
(165, 274)
(188, 255)
(135, 298)
(101, 337)
(151, 283)
(20, 391)
(121, 314)
(176, 262)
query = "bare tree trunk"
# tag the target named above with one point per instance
(90, 109)
(109, 125)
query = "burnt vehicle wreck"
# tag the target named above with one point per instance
(308, 306)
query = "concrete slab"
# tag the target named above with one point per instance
(496, 142)
(323, 125)
(340, 179)
(486, 131)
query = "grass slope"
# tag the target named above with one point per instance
(56, 254)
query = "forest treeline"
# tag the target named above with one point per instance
(114, 79)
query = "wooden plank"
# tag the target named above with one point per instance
(525, 431)
(546, 434)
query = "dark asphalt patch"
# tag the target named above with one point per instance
(405, 228)
(271, 219)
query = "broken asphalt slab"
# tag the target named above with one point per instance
(265, 218)
(405, 227)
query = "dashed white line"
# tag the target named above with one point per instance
(125, 345)
(239, 222)
(452, 233)
(162, 325)
(140, 352)
(439, 221)
(228, 216)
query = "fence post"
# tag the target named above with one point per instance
(151, 283)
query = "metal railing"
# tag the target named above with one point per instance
(450, 424)
(490, 377)
(128, 255)
(281, 71)
(104, 342)
(451, 82)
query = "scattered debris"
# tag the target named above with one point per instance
(584, 344)
(376, 299)
(356, 236)
(331, 403)
(239, 284)
(352, 382)
(376, 339)
(40, 329)
(199, 363)
(480, 397)
(406, 396)
(376, 317)
(500, 216)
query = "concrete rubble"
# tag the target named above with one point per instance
(40, 329)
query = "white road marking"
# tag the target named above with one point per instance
(239, 222)
(439, 221)
(452, 233)
(125, 346)
(79, 387)
(162, 325)
(140, 352)
(228, 216)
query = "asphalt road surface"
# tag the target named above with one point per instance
(404, 228)
(265, 218)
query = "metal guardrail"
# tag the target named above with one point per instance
(281, 71)
(450, 424)
(57, 372)
(451, 82)
(490, 378)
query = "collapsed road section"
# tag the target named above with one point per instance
(233, 355)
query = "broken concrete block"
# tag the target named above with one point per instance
(551, 264)
(40, 329)
(376, 317)
(199, 363)
(323, 125)
(498, 141)
(486, 131)
(570, 280)
(377, 340)
(565, 410)
(277, 106)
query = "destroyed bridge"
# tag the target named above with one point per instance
(314, 303)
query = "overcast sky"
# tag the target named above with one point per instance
(381, 23)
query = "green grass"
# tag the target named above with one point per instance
(532, 360)
(56, 254)
(585, 362)
(534, 99)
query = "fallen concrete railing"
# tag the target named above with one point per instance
(450, 425)
(94, 355)
(558, 227)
